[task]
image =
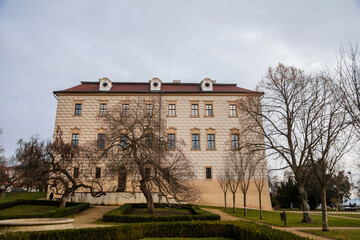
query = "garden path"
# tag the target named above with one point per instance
(86, 218)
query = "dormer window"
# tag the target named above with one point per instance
(207, 85)
(155, 85)
(104, 84)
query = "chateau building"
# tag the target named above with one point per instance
(203, 115)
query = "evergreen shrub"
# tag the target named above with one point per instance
(121, 214)
(236, 230)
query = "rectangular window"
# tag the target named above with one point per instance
(98, 172)
(101, 141)
(195, 110)
(75, 141)
(171, 141)
(209, 110)
(172, 111)
(148, 141)
(76, 172)
(195, 141)
(166, 174)
(123, 141)
(147, 174)
(235, 141)
(102, 109)
(208, 173)
(77, 109)
(126, 109)
(211, 141)
(232, 110)
(149, 109)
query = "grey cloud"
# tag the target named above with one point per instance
(53, 45)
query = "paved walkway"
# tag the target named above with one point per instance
(228, 217)
(86, 218)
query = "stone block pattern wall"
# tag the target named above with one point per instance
(88, 125)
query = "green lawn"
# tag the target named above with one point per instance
(293, 219)
(160, 211)
(23, 196)
(337, 234)
(26, 210)
(352, 214)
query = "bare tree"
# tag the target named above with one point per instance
(246, 161)
(57, 160)
(348, 77)
(332, 137)
(30, 167)
(224, 185)
(2, 150)
(259, 180)
(289, 108)
(8, 177)
(231, 169)
(134, 142)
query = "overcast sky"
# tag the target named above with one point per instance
(49, 45)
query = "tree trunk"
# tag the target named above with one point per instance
(324, 209)
(225, 202)
(261, 214)
(63, 200)
(234, 208)
(148, 196)
(245, 211)
(3, 194)
(304, 204)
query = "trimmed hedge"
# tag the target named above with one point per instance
(8, 204)
(236, 230)
(71, 208)
(121, 214)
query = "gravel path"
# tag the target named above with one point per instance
(86, 218)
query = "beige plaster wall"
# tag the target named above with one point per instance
(88, 125)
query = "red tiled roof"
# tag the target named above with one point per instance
(143, 87)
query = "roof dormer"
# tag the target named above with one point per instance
(207, 85)
(104, 84)
(155, 84)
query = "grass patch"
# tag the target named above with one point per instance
(12, 196)
(160, 212)
(337, 234)
(26, 210)
(331, 212)
(38, 209)
(178, 238)
(293, 219)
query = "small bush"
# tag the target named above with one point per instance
(120, 215)
(235, 230)
(60, 212)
